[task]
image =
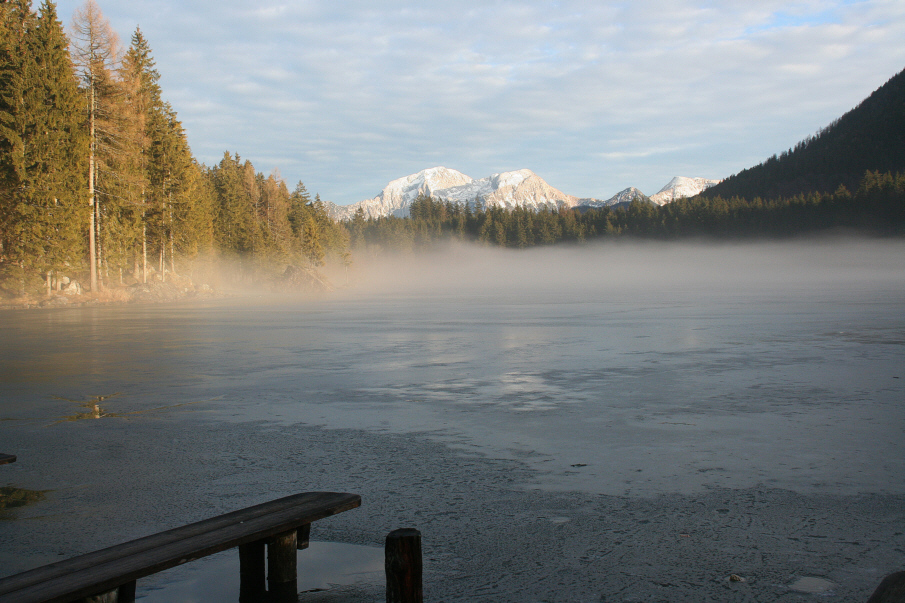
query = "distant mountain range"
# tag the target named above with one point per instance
(522, 188)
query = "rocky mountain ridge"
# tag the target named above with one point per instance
(519, 188)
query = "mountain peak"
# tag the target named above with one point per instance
(680, 187)
(395, 198)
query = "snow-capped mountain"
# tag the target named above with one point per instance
(508, 190)
(680, 187)
(396, 197)
(522, 188)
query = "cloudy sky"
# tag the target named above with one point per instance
(593, 96)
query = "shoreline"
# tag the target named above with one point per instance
(139, 293)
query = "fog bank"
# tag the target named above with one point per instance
(636, 268)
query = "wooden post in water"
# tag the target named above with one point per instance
(252, 578)
(403, 566)
(282, 580)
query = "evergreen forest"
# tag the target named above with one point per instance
(98, 186)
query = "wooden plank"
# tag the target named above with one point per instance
(7, 458)
(108, 568)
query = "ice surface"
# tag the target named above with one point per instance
(619, 423)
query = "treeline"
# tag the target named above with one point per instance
(876, 207)
(97, 180)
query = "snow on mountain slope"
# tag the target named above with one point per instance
(396, 197)
(680, 187)
(508, 190)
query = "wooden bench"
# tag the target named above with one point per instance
(281, 526)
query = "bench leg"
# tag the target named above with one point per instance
(252, 586)
(303, 535)
(282, 580)
(126, 593)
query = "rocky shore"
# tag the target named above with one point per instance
(177, 288)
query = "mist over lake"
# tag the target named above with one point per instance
(619, 422)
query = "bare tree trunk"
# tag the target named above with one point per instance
(49, 283)
(92, 249)
(144, 253)
(102, 276)
(172, 243)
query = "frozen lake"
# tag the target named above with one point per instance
(622, 423)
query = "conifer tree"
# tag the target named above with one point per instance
(142, 108)
(16, 21)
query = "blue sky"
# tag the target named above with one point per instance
(592, 96)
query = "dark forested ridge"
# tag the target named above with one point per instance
(99, 190)
(870, 137)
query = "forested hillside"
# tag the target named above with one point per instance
(98, 185)
(870, 137)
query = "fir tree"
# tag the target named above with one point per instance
(43, 159)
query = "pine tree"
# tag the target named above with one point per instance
(16, 23)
